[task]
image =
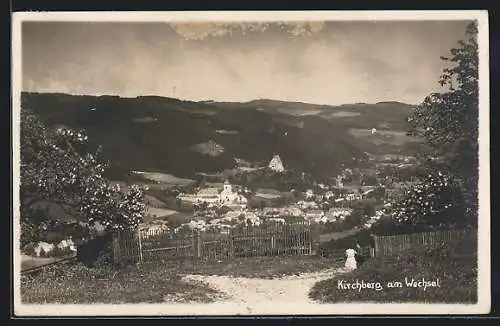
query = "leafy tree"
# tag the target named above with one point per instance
(59, 168)
(435, 201)
(449, 123)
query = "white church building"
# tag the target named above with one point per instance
(228, 196)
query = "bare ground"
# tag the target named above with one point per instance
(242, 290)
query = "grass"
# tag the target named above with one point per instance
(76, 284)
(152, 283)
(28, 262)
(454, 264)
(262, 267)
(159, 212)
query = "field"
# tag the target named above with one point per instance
(164, 178)
(345, 114)
(159, 212)
(299, 111)
(454, 264)
(392, 137)
(154, 283)
(268, 193)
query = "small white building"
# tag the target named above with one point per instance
(335, 213)
(205, 195)
(314, 214)
(307, 205)
(328, 195)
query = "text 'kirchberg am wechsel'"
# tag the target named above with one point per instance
(420, 283)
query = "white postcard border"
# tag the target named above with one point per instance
(277, 308)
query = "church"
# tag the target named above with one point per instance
(228, 196)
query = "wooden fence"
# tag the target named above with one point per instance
(387, 245)
(272, 239)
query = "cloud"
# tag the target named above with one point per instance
(331, 63)
(202, 30)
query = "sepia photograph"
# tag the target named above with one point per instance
(250, 163)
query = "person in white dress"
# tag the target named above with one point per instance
(350, 263)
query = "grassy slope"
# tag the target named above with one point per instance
(455, 264)
(152, 282)
(154, 133)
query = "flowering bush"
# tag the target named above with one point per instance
(435, 201)
(59, 168)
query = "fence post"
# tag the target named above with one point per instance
(198, 244)
(375, 245)
(140, 244)
(193, 244)
(231, 244)
(116, 247)
(315, 238)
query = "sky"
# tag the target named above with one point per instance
(315, 62)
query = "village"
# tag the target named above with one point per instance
(354, 200)
(224, 205)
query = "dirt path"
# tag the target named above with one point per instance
(256, 291)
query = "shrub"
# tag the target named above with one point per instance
(61, 252)
(95, 250)
(176, 220)
(45, 254)
(29, 249)
(363, 237)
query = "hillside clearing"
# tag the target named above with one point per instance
(164, 178)
(159, 212)
(392, 137)
(345, 114)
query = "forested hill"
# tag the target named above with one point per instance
(183, 137)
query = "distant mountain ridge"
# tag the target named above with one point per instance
(153, 133)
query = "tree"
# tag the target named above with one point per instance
(59, 168)
(435, 201)
(449, 123)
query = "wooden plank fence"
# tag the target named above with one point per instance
(271, 239)
(387, 245)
